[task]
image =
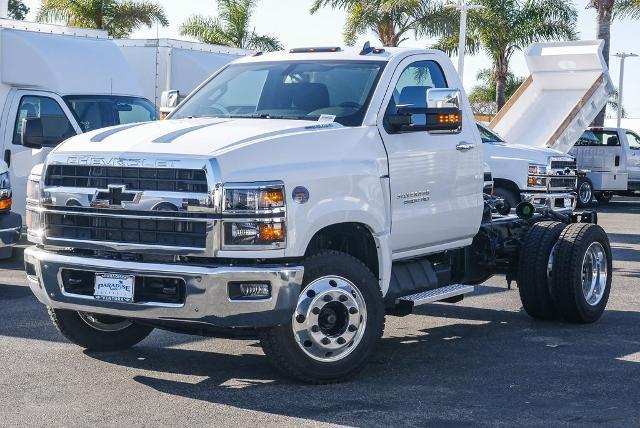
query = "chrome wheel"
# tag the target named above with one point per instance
(330, 319)
(585, 193)
(594, 273)
(104, 322)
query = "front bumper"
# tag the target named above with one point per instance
(563, 202)
(206, 299)
(10, 226)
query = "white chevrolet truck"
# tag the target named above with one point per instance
(298, 197)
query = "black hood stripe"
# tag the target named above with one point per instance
(168, 138)
(112, 131)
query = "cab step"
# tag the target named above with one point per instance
(404, 305)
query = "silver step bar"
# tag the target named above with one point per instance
(438, 294)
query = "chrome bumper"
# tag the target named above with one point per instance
(556, 201)
(206, 297)
(10, 227)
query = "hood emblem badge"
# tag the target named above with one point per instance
(115, 196)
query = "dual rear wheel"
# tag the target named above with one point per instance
(565, 272)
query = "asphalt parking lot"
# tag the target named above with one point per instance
(479, 362)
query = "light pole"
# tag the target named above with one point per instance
(4, 8)
(464, 8)
(622, 56)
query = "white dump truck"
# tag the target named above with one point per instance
(70, 81)
(174, 68)
(568, 85)
(298, 198)
(610, 158)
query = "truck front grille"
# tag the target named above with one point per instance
(144, 230)
(563, 183)
(139, 179)
(563, 164)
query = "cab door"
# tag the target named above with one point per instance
(436, 179)
(633, 156)
(32, 104)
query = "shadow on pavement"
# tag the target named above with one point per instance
(500, 366)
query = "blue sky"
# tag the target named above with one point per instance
(290, 21)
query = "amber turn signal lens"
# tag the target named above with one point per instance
(272, 232)
(272, 198)
(5, 204)
(448, 119)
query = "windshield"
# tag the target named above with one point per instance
(99, 111)
(488, 136)
(287, 90)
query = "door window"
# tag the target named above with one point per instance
(634, 141)
(99, 111)
(599, 138)
(414, 82)
(54, 122)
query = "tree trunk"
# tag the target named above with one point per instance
(603, 19)
(501, 71)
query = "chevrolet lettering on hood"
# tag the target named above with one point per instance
(122, 162)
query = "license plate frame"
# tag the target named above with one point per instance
(114, 287)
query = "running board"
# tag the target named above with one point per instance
(437, 294)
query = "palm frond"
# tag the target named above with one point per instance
(627, 9)
(206, 30)
(264, 43)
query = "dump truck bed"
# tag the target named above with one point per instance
(568, 85)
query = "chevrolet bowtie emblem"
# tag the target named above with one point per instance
(114, 197)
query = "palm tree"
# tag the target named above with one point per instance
(390, 20)
(606, 11)
(483, 96)
(118, 17)
(503, 27)
(17, 9)
(230, 28)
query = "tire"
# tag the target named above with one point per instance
(297, 348)
(533, 273)
(585, 193)
(582, 246)
(6, 253)
(510, 197)
(98, 332)
(604, 197)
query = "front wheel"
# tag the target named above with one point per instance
(337, 323)
(96, 332)
(585, 193)
(511, 198)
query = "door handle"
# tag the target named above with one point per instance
(617, 160)
(463, 147)
(7, 157)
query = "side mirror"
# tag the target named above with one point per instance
(169, 100)
(33, 135)
(444, 114)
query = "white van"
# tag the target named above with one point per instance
(176, 66)
(57, 82)
(611, 158)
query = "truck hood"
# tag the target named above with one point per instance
(523, 152)
(187, 137)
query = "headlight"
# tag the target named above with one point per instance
(5, 192)
(258, 211)
(537, 181)
(536, 169)
(267, 233)
(33, 190)
(253, 198)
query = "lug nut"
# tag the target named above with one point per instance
(353, 310)
(300, 318)
(315, 329)
(341, 341)
(327, 298)
(315, 311)
(342, 298)
(352, 328)
(326, 341)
